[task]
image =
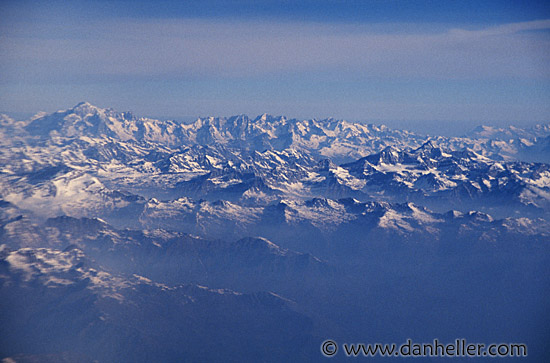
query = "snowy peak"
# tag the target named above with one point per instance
(509, 132)
(85, 108)
(390, 155)
(339, 140)
(82, 120)
(86, 120)
(86, 155)
(429, 149)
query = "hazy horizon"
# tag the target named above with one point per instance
(362, 60)
(431, 127)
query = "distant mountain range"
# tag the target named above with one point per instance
(112, 225)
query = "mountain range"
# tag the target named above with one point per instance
(132, 239)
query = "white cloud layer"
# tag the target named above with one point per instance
(205, 48)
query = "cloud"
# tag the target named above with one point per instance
(505, 29)
(187, 48)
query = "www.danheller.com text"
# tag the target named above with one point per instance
(458, 348)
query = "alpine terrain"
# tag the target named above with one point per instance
(129, 239)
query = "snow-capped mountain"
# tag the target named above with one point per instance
(430, 174)
(328, 138)
(87, 120)
(111, 225)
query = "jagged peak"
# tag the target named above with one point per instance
(319, 202)
(326, 164)
(268, 117)
(430, 149)
(84, 103)
(454, 214)
(390, 149)
(390, 154)
(85, 106)
(468, 153)
(428, 145)
(264, 117)
(480, 216)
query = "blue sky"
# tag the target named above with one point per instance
(470, 61)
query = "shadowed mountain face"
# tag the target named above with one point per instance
(113, 318)
(230, 239)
